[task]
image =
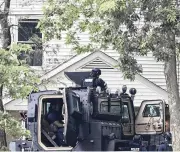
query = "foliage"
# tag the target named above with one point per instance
(12, 126)
(16, 76)
(18, 80)
(115, 24)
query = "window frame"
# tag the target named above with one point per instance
(16, 31)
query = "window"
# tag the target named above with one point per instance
(48, 106)
(104, 107)
(115, 107)
(27, 28)
(151, 110)
(76, 101)
(125, 114)
(29, 34)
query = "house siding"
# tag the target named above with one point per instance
(25, 5)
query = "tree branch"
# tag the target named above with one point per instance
(7, 6)
(2, 3)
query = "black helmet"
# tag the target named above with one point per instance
(95, 72)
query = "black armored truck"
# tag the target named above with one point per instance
(89, 117)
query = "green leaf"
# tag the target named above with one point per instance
(107, 5)
(12, 126)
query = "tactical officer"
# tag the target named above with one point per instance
(137, 143)
(55, 120)
(167, 139)
(95, 73)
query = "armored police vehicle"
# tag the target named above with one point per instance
(89, 118)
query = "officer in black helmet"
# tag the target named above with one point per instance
(95, 73)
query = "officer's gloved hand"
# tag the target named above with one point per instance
(168, 136)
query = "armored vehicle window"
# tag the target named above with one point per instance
(125, 115)
(115, 107)
(76, 102)
(47, 107)
(151, 110)
(104, 106)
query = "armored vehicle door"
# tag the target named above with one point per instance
(151, 117)
(73, 116)
(127, 117)
(48, 125)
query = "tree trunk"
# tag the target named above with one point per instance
(173, 99)
(6, 41)
(1, 97)
(5, 28)
(3, 136)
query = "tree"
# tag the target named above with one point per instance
(103, 20)
(17, 79)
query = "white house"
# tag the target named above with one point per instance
(58, 58)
